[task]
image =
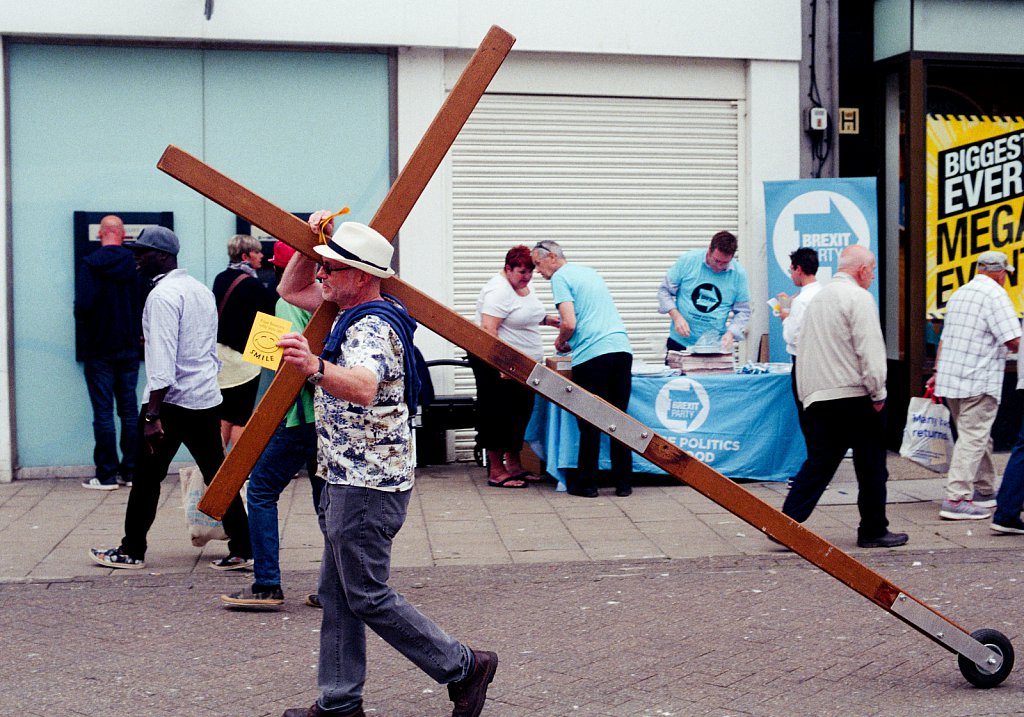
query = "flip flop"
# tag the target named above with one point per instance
(504, 483)
(528, 477)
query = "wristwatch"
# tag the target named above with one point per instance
(150, 417)
(317, 376)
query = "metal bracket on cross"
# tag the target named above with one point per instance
(985, 656)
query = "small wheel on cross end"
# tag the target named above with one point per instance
(979, 676)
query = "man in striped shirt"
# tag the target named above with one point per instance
(980, 326)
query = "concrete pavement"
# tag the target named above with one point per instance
(456, 519)
(658, 604)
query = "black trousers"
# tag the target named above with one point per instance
(801, 414)
(199, 430)
(503, 409)
(608, 376)
(835, 427)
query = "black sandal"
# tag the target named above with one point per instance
(504, 483)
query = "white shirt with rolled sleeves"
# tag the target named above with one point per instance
(980, 319)
(791, 324)
(179, 324)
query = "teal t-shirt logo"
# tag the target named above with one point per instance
(706, 298)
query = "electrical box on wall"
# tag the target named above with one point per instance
(817, 119)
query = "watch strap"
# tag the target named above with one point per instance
(317, 376)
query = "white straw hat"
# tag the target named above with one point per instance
(359, 246)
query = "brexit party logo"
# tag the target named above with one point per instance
(706, 298)
(682, 405)
(823, 220)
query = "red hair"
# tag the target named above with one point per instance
(519, 256)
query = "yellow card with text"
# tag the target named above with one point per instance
(261, 348)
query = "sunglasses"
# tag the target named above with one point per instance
(328, 270)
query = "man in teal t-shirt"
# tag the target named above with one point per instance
(701, 290)
(602, 358)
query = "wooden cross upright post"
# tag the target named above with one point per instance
(390, 216)
(986, 656)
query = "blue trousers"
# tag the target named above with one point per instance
(288, 450)
(111, 380)
(1010, 500)
(359, 525)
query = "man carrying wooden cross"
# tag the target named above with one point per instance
(365, 390)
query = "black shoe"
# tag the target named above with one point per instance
(100, 484)
(313, 600)
(317, 711)
(115, 558)
(248, 597)
(231, 562)
(470, 693)
(889, 540)
(589, 492)
(1011, 526)
(624, 490)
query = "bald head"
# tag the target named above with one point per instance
(111, 230)
(859, 262)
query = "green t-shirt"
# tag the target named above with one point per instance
(304, 401)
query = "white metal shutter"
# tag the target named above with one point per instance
(625, 185)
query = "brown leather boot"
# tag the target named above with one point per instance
(470, 693)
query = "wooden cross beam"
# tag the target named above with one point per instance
(979, 662)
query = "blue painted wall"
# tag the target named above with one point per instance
(88, 124)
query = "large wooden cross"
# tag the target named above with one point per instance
(984, 664)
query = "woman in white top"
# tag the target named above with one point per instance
(508, 309)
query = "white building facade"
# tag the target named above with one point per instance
(628, 131)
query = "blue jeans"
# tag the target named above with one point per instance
(359, 525)
(1011, 492)
(288, 450)
(109, 380)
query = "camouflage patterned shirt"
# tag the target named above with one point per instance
(367, 446)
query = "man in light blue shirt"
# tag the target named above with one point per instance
(179, 325)
(701, 290)
(602, 358)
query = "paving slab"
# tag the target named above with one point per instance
(662, 603)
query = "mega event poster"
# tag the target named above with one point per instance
(975, 191)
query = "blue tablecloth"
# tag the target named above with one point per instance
(743, 426)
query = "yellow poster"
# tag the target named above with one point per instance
(975, 191)
(261, 348)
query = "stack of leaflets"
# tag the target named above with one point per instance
(694, 363)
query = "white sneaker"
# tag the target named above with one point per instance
(962, 510)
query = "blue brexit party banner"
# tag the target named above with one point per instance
(743, 426)
(827, 215)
